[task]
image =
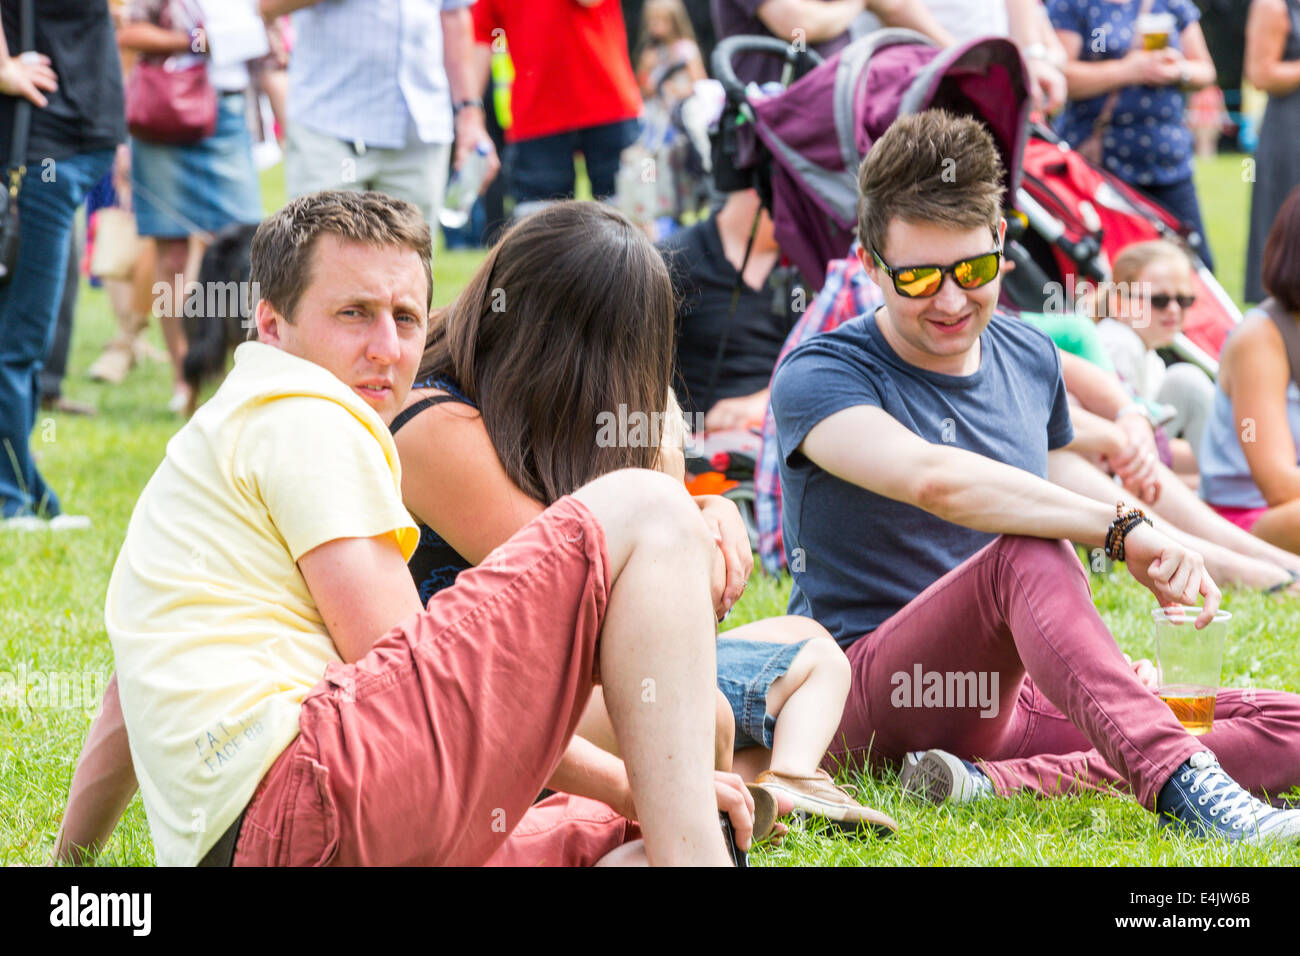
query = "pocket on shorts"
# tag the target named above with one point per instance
(310, 835)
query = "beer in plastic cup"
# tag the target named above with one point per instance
(1155, 29)
(1189, 663)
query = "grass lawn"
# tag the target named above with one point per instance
(53, 644)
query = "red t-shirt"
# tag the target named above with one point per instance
(571, 63)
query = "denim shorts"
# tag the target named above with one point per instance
(202, 187)
(746, 671)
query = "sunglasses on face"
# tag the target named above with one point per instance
(1162, 301)
(921, 282)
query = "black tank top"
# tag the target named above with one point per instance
(434, 564)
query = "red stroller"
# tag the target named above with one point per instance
(1082, 216)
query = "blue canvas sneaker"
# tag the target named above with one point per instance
(939, 777)
(1209, 803)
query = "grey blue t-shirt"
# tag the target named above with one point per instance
(858, 557)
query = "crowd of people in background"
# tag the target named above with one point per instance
(159, 113)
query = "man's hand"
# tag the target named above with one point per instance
(1173, 573)
(26, 75)
(728, 527)
(470, 131)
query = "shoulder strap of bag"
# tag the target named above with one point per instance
(23, 107)
(1103, 118)
(1290, 329)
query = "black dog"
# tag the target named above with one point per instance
(218, 317)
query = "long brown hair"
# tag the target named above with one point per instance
(567, 323)
(1281, 268)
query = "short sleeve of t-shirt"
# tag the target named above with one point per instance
(279, 456)
(1185, 13)
(1068, 15)
(812, 384)
(1060, 430)
(486, 19)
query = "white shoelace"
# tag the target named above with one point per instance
(1224, 795)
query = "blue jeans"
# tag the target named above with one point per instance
(746, 672)
(29, 306)
(542, 168)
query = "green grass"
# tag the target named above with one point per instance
(51, 621)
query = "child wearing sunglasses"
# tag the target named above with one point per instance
(1141, 310)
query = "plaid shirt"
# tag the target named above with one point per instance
(847, 293)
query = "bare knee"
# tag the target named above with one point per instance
(637, 507)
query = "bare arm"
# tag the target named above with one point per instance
(278, 8)
(1266, 31)
(102, 785)
(143, 37)
(1255, 377)
(816, 20)
(26, 75)
(977, 492)
(361, 587)
(461, 57)
(913, 15)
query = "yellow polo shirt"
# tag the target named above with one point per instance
(216, 637)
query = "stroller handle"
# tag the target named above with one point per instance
(745, 43)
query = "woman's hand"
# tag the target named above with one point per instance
(728, 527)
(26, 75)
(1155, 67)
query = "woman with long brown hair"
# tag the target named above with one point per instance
(551, 368)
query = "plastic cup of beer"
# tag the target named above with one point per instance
(1155, 29)
(1189, 663)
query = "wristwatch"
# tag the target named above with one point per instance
(465, 104)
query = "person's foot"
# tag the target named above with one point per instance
(113, 364)
(65, 405)
(940, 777)
(34, 523)
(819, 796)
(182, 395)
(1204, 800)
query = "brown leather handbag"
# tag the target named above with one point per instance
(171, 106)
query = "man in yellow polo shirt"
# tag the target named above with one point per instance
(285, 697)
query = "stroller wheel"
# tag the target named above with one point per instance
(743, 496)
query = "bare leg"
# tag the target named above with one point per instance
(1226, 563)
(173, 258)
(1183, 507)
(595, 727)
(1280, 527)
(629, 854)
(657, 659)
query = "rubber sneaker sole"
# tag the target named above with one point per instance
(939, 777)
(849, 819)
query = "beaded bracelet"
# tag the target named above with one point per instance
(1125, 521)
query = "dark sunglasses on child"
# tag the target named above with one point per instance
(921, 282)
(1161, 301)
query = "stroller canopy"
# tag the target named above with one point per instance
(819, 129)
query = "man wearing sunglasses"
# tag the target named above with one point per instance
(915, 443)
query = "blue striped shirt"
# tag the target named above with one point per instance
(371, 71)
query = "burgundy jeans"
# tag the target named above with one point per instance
(1069, 712)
